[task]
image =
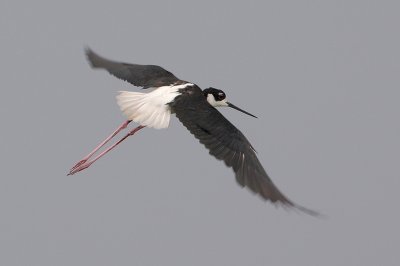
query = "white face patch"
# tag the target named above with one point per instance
(211, 100)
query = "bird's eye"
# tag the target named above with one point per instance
(221, 96)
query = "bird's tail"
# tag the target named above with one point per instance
(142, 109)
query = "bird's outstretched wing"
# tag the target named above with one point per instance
(227, 143)
(139, 75)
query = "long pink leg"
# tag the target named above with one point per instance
(84, 160)
(87, 164)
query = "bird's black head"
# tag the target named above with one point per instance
(217, 98)
(217, 94)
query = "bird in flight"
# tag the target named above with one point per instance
(196, 109)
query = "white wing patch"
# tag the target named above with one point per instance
(149, 109)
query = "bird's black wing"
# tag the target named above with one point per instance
(139, 75)
(227, 143)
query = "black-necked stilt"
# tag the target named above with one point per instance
(195, 108)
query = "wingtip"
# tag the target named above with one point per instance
(290, 205)
(309, 211)
(93, 58)
(87, 50)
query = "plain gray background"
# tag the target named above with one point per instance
(323, 77)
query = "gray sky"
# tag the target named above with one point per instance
(322, 76)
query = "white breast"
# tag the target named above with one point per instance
(149, 109)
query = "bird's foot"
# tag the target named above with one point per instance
(81, 165)
(78, 164)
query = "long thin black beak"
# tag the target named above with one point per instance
(237, 108)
